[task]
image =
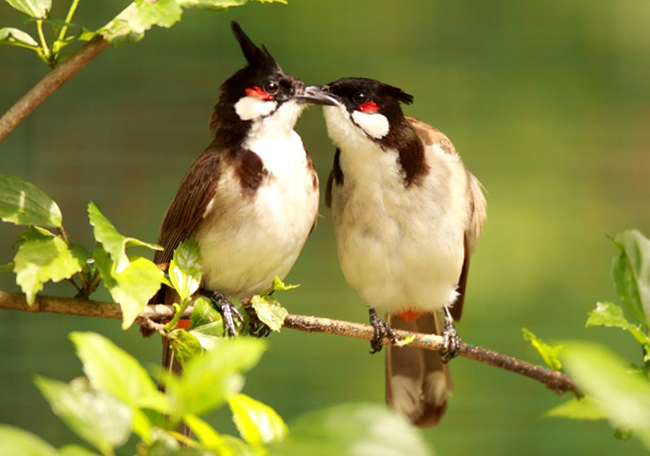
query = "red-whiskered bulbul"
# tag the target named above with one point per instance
(407, 216)
(251, 198)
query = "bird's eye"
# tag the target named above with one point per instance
(271, 87)
(360, 98)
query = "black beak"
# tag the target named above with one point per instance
(316, 95)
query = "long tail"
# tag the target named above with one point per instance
(417, 382)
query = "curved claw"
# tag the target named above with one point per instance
(382, 330)
(256, 328)
(227, 310)
(451, 342)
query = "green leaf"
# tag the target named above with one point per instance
(22, 203)
(631, 272)
(185, 345)
(206, 434)
(210, 378)
(42, 257)
(185, 268)
(608, 314)
(132, 23)
(10, 35)
(16, 442)
(623, 395)
(269, 311)
(133, 287)
(96, 417)
(549, 353)
(9, 267)
(209, 335)
(114, 371)
(76, 450)
(578, 409)
(203, 313)
(611, 315)
(256, 422)
(35, 8)
(218, 5)
(279, 285)
(113, 242)
(352, 430)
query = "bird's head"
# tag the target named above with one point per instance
(367, 110)
(261, 95)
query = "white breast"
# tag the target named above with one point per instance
(257, 236)
(400, 247)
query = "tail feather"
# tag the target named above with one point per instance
(417, 382)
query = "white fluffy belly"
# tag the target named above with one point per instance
(396, 269)
(258, 236)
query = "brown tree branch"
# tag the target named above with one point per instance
(556, 381)
(50, 84)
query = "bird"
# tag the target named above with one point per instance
(251, 198)
(407, 215)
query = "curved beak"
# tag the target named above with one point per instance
(316, 95)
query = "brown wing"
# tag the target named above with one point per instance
(186, 212)
(477, 219)
(335, 175)
(429, 136)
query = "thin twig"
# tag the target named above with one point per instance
(153, 314)
(50, 84)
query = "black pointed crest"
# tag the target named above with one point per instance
(255, 56)
(399, 94)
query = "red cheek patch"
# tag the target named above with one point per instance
(368, 107)
(257, 92)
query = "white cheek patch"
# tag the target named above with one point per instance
(375, 125)
(249, 108)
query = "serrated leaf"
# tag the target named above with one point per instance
(279, 285)
(352, 430)
(608, 314)
(132, 23)
(210, 378)
(114, 371)
(43, 257)
(96, 417)
(624, 396)
(549, 353)
(269, 311)
(10, 35)
(203, 313)
(611, 315)
(38, 9)
(112, 241)
(185, 269)
(256, 422)
(631, 272)
(578, 409)
(22, 203)
(17, 442)
(219, 5)
(185, 345)
(133, 287)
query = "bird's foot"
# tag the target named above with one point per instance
(382, 330)
(228, 310)
(256, 327)
(451, 340)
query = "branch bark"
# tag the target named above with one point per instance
(556, 381)
(50, 84)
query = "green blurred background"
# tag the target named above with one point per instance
(548, 103)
